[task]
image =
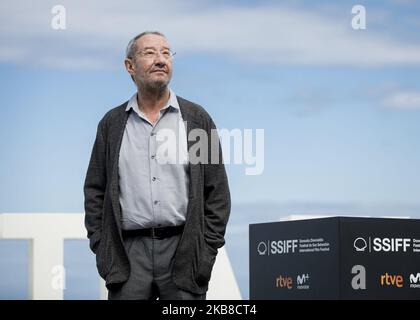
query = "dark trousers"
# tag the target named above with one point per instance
(151, 262)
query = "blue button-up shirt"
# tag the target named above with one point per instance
(153, 193)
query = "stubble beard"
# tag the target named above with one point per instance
(155, 86)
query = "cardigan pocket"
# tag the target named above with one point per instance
(205, 265)
(101, 259)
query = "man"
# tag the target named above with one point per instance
(155, 218)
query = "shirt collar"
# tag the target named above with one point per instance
(172, 102)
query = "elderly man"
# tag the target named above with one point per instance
(156, 205)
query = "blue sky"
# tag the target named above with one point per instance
(340, 107)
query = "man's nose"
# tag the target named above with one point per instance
(160, 63)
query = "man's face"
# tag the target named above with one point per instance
(150, 66)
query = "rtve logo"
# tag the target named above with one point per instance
(381, 244)
(392, 280)
(284, 282)
(277, 247)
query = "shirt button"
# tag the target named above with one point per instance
(153, 157)
(154, 178)
(156, 202)
(152, 134)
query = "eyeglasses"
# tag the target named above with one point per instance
(150, 53)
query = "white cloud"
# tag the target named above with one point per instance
(274, 34)
(403, 100)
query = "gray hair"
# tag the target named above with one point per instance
(131, 47)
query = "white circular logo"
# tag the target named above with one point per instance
(262, 248)
(360, 244)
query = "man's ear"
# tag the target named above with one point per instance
(129, 66)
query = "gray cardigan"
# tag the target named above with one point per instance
(207, 213)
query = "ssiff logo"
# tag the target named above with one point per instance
(359, 280)
(382, 244)
(277, 247)
(284, 282)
